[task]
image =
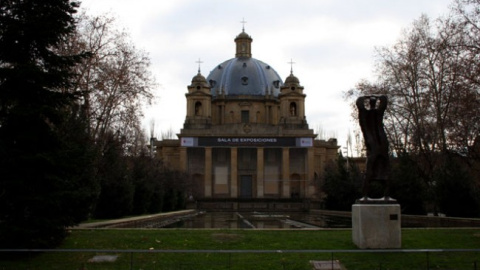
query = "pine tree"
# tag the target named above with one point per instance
(45, 183)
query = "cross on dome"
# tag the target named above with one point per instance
(199, 62)
(243, 24)
(291, 65)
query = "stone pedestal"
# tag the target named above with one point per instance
(376, 226)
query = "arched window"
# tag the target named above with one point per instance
(198, 108)
(293, 109)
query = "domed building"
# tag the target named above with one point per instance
(246, 140)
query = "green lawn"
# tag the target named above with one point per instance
(180, 239)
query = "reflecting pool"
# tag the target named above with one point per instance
(250, 220)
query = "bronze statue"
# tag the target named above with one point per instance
(370, 114)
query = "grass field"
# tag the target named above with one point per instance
(180, 239)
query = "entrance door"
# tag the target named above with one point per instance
(246, 186)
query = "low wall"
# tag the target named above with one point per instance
(413, 221)
(250, 205)
(135, 222)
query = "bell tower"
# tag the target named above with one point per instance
(199, 103)
(292, 102)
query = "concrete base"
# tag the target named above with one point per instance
(376, 226)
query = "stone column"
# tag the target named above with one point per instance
(223, 114)
(220, 120)
(233, 173)
(301, 108)
(267, 114)
(260, 170)
(310, 188)
(208, 172)
(286, 172)
(183, 159)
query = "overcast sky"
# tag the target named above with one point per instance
(332, 43)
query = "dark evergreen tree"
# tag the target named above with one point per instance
(342, 185)
(143, 175)
(156, 201)
(456, 193)
(116, 187)
(42, 154)
(407, 186)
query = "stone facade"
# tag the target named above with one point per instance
(246, 135)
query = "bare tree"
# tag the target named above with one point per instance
(168, 134)
(465, 23)
(431, 77)
(320, 131)
(429, 101)
(323, 134)
(115, 81)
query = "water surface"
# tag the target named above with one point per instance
(256, 220)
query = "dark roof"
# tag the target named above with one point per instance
(244, 76)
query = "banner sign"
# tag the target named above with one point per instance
(305, 142)
(242, 141)
(187, 141)
(246, 142)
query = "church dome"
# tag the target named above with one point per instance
(243, 35)
(199, 80)
(292, 79)
(244, 76)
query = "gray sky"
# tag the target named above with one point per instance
(331, 42)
